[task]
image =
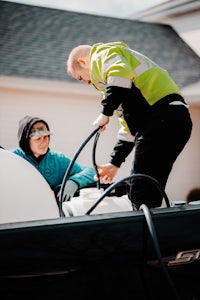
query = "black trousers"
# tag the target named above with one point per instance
(157, 146)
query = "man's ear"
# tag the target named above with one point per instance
(83, 62)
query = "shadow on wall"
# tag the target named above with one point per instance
(193, 195)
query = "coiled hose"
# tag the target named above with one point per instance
(67, 173)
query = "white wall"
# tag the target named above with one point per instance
(186, 171)
(70, 111)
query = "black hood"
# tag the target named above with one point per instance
(25, 126)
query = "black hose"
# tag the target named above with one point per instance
(152, 232)
(134, 177)
(67, 173)
(94, 159)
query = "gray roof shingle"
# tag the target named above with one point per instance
(35, 42)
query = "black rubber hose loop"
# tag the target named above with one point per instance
(133, 177)
(94, 159)
(67, 173)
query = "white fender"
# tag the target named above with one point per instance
(24, 193)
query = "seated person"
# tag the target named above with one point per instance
(34, 138)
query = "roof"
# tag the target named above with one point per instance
(169, 10)
(35, 42)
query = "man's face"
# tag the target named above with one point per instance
(80, 72)
(40, 145)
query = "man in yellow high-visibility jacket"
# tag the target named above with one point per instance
(151, 110)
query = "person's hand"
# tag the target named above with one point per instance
(70, 188)
(106, 172)
(101, 121)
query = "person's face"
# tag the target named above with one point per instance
(39, 146)
(81, 71)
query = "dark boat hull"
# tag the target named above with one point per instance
(103, 254)
(67, 243)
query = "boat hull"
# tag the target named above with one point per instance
(68, 243)
(105, 255)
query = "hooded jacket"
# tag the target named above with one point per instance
(25, 126)
(51, 165)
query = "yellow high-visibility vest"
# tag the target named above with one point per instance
(115, 64)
